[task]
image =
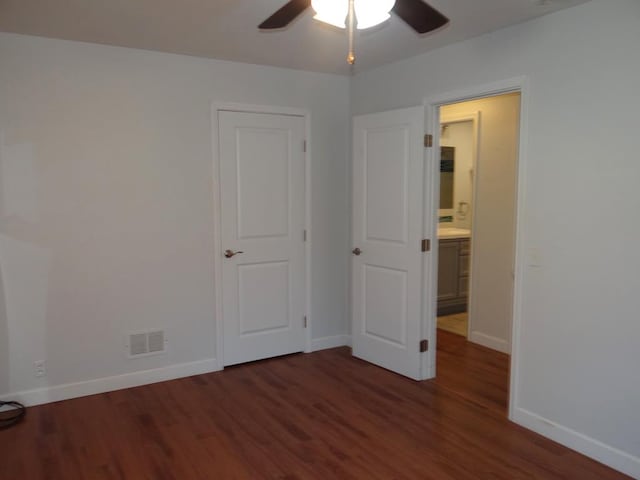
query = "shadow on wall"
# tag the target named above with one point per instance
(4, 318)
(24, 271)
(4, 340)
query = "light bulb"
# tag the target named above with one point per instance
(372, 12)
(332, 12)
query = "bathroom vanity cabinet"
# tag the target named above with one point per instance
(453, 275)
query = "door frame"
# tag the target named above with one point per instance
(217, 107)
(432, 121)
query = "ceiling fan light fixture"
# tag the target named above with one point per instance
(418, 14)
(370, 13)
(333, 12)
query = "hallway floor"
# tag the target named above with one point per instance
(457, 323)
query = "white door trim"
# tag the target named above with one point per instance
(217, 264)
(432, 107)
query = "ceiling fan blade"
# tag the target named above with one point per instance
(285, 15)
(420, 16)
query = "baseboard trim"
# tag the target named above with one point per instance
(330, 342)
(67, 391)
(603, 453)
(488, 341)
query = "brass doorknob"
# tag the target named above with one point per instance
(231, 253)
(356, 251)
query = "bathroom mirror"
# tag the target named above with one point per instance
(447, 162)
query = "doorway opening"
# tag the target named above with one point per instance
(476, 230)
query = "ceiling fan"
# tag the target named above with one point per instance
(419, 15)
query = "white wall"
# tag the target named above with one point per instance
(460, 136)
(578, 379)
(106, 217)
(494, 213)
(4, 338)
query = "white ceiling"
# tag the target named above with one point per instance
(227, 29)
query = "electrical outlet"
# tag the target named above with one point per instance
(39, 368)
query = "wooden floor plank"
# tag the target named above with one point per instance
(324, 415)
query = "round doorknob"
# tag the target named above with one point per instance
(231, 253)
(356, 251)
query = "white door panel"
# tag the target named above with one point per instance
(386, 215)
(263, 297)
(387, 227)
(385, 304)
(262, 186)
(262, 218)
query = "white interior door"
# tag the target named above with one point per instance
(388, 167)
(262, 227)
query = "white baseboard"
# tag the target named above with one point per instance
(330, 342)
(610, 456)
(108, 384)
(488, 341)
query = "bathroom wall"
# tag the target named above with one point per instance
(460, 136)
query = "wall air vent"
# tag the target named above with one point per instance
(142, 344)
(155, 341)
(138, 344)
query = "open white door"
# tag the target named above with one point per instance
(388, 168)
(262, 234)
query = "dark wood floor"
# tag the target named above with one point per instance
(478, 374)
(324, 415)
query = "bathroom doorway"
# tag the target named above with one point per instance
(478, 158)
(458, 152)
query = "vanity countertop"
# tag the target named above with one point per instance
(452, 232)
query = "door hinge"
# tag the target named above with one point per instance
(428, 140)
(424, 346)
(305, 321)
(304, 146)
(426, 245)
